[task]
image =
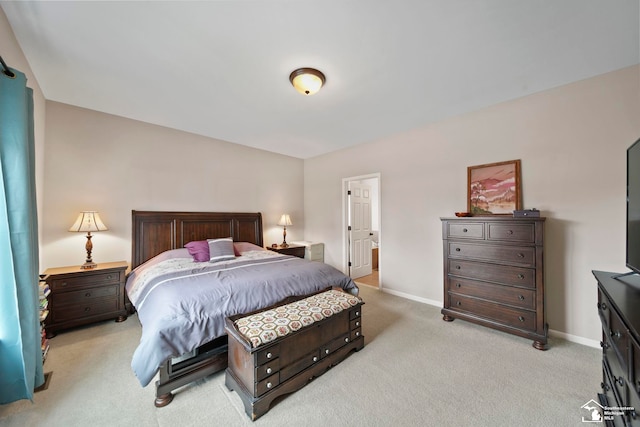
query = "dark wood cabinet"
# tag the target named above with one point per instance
(261, 374)
(295, 250)
(494, 276)
(618, 302)
(79, 297)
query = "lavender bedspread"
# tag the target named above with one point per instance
(182, 304)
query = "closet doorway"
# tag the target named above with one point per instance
(362, 231)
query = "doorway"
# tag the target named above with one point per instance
(362, 231)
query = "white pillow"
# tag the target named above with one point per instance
(221, 249)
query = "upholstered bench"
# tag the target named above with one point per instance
(278, 350)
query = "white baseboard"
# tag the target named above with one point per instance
(557, 334)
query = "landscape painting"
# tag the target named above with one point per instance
(494, 189)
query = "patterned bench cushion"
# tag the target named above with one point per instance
(266, 326)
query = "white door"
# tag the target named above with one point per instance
(360, 230)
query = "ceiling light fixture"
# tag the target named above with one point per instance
(307, 81)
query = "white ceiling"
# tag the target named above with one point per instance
(221, 68)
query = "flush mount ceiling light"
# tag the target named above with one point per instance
(307, 81)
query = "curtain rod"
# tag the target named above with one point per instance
(5, 68)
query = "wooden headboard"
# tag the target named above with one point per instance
(154, 232)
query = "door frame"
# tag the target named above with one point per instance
(345, 221)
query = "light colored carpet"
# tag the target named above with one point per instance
(415, 369)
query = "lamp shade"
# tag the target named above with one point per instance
(307, 81)
(88, 221)
(285, 220)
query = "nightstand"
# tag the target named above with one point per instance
(295, 250)
(79, 297)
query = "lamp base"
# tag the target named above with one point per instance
(88, 265)
(284, 245)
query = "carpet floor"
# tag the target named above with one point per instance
(415, 370)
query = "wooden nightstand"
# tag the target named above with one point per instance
(82, 296)
(295, 250)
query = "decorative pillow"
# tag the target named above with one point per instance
(240, 247)
(199, 250)
(221, 249)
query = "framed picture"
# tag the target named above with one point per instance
(494, 189)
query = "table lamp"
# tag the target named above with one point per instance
(284, 221)
(88, 221)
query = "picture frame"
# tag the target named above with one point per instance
(494, 188)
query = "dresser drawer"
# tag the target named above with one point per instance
(517, 276)
(88, 309)
(520, 255)
(269, 368)
(80, 297)
(299, 365)
(604, 308)
(635, 356)
(517, 297)
(83, 280)
(512, 232)
(268, 354)
(619, 338)
(610, 391)
(508, 316)
(465, 230)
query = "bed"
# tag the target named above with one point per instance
(182, 303)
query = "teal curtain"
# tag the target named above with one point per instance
(20, 339)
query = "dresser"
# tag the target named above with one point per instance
(79, 296)
(494, 275)
(618, 303)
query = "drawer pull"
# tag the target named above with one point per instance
(88, 294)
(357, 323)
(269, 355)
(315, 358)
(63, 284)
(326, 351)
(604, 386)
(86, 309)
(459, 303)
(458, 249)
(603, 306)
(520, 255)
(458, 285)
(604, 345)
(269, 385)
(269, 370)
(458, 267)
(520, 276)
(619, 380)
(520, 318)
(357, 313)
(109, 277)
(521, 297)
(616, 334)
(358, 333)
(509, 231)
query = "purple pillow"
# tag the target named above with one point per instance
(199, 250)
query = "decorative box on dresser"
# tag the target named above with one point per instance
(619, 311)
(494, 275)
(79, 296)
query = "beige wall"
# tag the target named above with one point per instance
(572, 141)
(97, 161)
(13, 56)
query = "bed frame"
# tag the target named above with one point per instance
(157, 231)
